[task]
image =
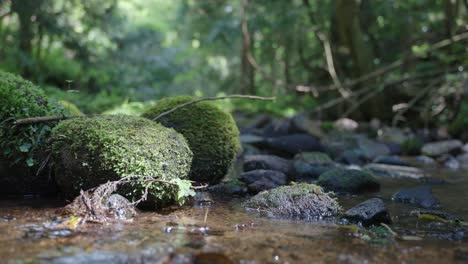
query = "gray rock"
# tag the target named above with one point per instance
(391, 160)
(369, 212)
(425, 160)
(463, 159)
(438, 148)
(449, 162)
(348, 181)
(298, 201)
(261, 180)
(394, 171)
(419, 196)
(311, 164)
(393, 135)
(268, 162)
(120, 207)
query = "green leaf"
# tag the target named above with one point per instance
(184, 190)
(30, 162)
(25, 147)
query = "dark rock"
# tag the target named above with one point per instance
(298, 201)
(228, 188)
(419, 196)
(248, 149)
(394, 171)
(395, 149)
(261, 180)
(429, 180)
(277, 128)
(352, 157)
(369, 212)
(311, 164)
(268, 162)
(258, 123)
(391, 160)
(203, 199)
(441, 147)
(302, 124)
(370, 149)
(251, 139)
(293, 144)
(120, 207)
(348, 181)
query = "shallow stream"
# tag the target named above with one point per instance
(244, 237)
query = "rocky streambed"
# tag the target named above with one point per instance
(220, 229)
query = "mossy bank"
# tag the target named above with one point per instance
(91, 151)
(212, 134)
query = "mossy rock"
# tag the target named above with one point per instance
(19, 99)
(90, 151)
(298, 201)
(69, 109)
(212, 135)
(348, 181)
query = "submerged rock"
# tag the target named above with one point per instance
(441, 147)
(261, 180)
(233, 187)
(298, 201)
(434, 215)
(268, 162)
(419, 196)
(369, 212)
(311, 164)
(348, 181)
(394, 171)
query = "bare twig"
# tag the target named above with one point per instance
(211, 99)
(40, 119)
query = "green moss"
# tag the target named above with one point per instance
(91, 151)
(301, 201)
(411, 146)
(212, 135)
(69, 108)
(20, 98)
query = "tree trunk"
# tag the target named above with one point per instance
(247, 71)
(25, 11)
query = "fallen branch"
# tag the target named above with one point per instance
(211, 99)
(40, 119)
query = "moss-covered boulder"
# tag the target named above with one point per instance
(91, 151)
(297, 201)
(211, 133)
(19, 99)
(22, 146)
(348, 181)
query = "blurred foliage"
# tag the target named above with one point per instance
(113, 53)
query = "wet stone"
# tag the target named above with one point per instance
(267, 162)
(120, 207)
(298, 201)
(311, 164)
(348, 181)
(394, 171)
(369, 212)
(293, 144)
(420, 196)
(438, 148)
(391, 160)
(260, 180)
